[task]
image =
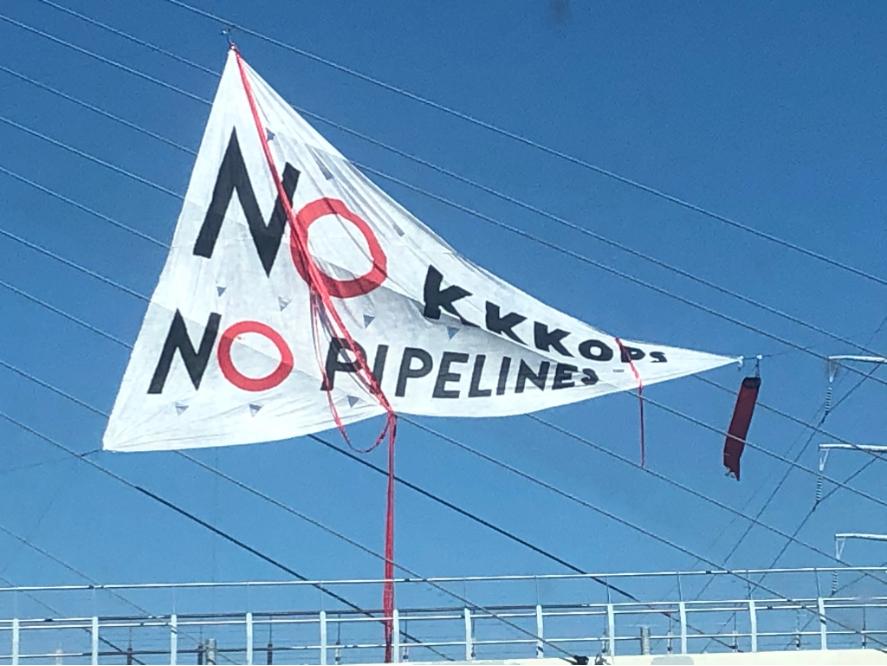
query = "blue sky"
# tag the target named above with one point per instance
(771, 114)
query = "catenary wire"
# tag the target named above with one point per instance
(478, 215)
(319, 525)
(692, 419)
(45, 553)
(446, 202)
(534, 144)
(353, 543)
(852, 343)
(429, 165)
(57, 613)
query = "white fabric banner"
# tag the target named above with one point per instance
(227, 353)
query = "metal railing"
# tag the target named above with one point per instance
(258, 622)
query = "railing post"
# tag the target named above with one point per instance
(611, 629)
(323, 643)
(15, 641)
(469, 640)
(173, 639)
(94, 635)
(395, 630)
(249, 639)
(753, 624)
(682, 612)
(823, 628)
(540, 629)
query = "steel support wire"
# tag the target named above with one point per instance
(45, 553)
(104, 641)
(365, 549)
(533, 144)
(311, 521)
(429, 165)
(662, 406)
(464, 209)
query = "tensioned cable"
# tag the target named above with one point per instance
(615, 518)
(127, 36)
(446, 202)
(96, 56)
(542, 421)
(319, 525)
(850, 342)
(692, 419)
(446, 172)
(750, 444)
(534, 144)
(568, 433)
(826, 413)
(45, 553)
(554, 246)
(57, 613)
(815, 505)
(369, 551)
(753, 520)
(478, 215)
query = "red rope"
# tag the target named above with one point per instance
(637, 376)
(324, 315)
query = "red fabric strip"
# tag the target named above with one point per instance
(740, 423)
(325, 316)
(624, 355)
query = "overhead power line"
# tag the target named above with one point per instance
(224, 22)
(367, 550)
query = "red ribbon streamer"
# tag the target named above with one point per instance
(324, 315)
(625, 356)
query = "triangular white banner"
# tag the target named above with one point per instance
(446, 337)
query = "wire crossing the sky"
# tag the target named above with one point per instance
(365, 549)
(533, 144)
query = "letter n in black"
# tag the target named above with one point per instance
(178, 340)
(232, 177)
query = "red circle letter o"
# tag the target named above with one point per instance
(310, 213)
(234, 375)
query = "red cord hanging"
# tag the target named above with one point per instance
(324, 315)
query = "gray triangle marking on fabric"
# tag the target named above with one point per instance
(282, 302)
(180, 408)
(221, 290)
(254, 409)
(397, 229)
(367, 320)
(323, 169)
(270, 135)
(451, 332)
(352, 400)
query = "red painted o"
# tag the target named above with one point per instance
(234, 375)
(358, 286)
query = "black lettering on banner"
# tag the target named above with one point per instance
(563, 376)
(589, 377)
(595, 350)
(379, 363)
(407, 371)
(474, 390)
(525, 372)
(631, 354)
(177, 340)
(546, 339)
(435, 298)
(444, 376)
(503, 375)
(334, 362)
(658, 357)
(232, 177)
(499, 324)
